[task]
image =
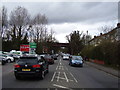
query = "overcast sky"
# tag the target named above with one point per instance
(65, 17)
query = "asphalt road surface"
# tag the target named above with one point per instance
(61, 75)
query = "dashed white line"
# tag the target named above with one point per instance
(66, 77)
(53, 76)
(58, 76)
(74, 78)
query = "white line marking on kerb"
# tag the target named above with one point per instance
(53, 76)
(58, 76)
(66, 77)
(74, 78)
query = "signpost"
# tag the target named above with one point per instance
(32, 47)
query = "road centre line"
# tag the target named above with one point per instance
(66, 77)
(53, 76)
(58, 76)
(74, 77)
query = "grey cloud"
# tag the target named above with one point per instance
(84, 12)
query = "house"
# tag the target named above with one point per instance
(112, 36)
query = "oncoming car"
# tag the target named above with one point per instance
(76, 61)
(30, 66)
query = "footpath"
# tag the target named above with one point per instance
(105, 69)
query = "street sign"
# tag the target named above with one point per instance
(33, 45)
(24, 48)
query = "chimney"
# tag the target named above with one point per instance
(118, 25)
(100, 34)
(94, 36)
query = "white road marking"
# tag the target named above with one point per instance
(56, 67)
(58, 76)
(53, 76)
(66, 77)
(60, 63)
(61, 86)
(74, 78)
(62, 68)
(48, 88)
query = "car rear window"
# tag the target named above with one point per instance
(28, 60)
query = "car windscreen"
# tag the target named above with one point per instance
(27, 61)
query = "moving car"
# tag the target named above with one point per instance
(31, 66)
(76, 61)
(66, 57)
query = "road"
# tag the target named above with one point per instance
(61, 75)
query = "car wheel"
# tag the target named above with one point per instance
(42, 75)
(3, 63)
(47, 71)
(17, 77)
(9, 61)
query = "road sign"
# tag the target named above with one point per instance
(33, 45)
(24, 48)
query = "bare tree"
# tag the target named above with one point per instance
(105, 29)
(39, 25)
(19, 19)
(4, 20)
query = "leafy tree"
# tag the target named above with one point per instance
(75, 42)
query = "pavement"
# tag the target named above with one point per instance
(105, 69)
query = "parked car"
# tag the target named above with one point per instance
(49, 59)
(3, 60)
(66, 57)
(31, 66)
(76, 61)
(9, 58)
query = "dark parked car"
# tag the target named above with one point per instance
(49, 59)
(76, 61)
(31, 66)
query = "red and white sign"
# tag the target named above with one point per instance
(25, 48)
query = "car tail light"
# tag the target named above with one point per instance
(16, 66)
(36, 66)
